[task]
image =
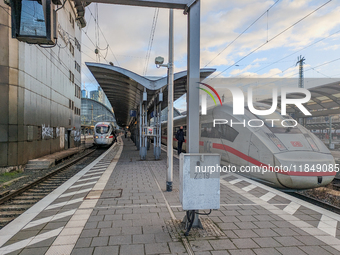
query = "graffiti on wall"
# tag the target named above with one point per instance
(76, 135)
(46, 131)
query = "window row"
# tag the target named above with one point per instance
(77, 66)
(76, 111)
(77, 91)
(71, 76)
(77, 44)
(219, 131)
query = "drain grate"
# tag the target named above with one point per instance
(176, 229)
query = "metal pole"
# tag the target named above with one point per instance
(140, 125)
(154, 127)
(160, 125)
(169, 176)
(192, 143)
(330, 131)
(193, 77)
(145, 126)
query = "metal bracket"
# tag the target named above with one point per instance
(186, 8)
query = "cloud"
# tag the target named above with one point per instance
(127, 29)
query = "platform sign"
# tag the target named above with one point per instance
(199, 181)
(150, 131)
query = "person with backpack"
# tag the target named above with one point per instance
(180, 140)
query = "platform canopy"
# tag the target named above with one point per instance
(124, 88)
(325, 100)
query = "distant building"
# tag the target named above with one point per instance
(93, 111)
(94, 95)
(84, 93)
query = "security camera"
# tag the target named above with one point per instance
(159, 60)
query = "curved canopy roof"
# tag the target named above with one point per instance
(124, 88)
(325, 100)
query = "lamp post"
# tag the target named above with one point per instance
(159, 62)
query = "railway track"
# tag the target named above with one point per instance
(16, 202)
(316, 202)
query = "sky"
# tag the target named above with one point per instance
(240, 38)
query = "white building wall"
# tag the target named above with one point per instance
(39, 91)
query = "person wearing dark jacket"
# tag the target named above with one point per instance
(180, 140)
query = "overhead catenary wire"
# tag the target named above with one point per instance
(277, 35)
(266, 12)
(152, 34)
(100, 30)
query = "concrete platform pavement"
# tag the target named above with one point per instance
(50, 160)
(118, 205)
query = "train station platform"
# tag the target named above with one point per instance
(118, 205)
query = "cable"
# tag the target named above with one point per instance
(190, 218)
(152, 34)
(266, 12)
(105, 39)
(273, 38)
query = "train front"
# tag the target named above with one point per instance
(102, 133)
(300, 159)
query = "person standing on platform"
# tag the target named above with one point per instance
(180, 140)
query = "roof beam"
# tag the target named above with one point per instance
(174, 4)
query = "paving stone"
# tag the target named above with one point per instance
(82, 251)
(132, 249)
(91, 225)
(244, 243)
(115, 240)
(34, 251)
(100, 241)
(106, 250)
(314, 250)
(131, 230)
(89, 233)
(227, 226)
(266, 242)
(144, 238)
(201, 245)
(222, 244)
(291, 251)
(331, 250)
(110, 231)
(156, 248)
(163, 237)
(285, 232)
(287, 240)
(242, 252)
(245, 225)
(83, 242)
(242, 233)
(265, 232)
(266, 251)
(177, 247)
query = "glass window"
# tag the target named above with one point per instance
(273, 122)
(102, 129)
(219, 131)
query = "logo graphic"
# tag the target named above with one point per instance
(239, 100)
(204, 97)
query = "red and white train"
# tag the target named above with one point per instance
(104, 133)
(288, 158)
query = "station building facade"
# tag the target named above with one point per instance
(40, 97)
